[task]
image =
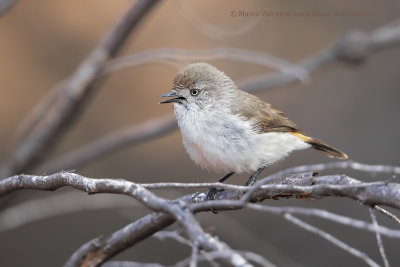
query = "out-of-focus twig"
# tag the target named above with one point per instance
(361, 255)
(6, 5)
(133, 135)
(74, 93)
(130, 264)
(212, 30)
(36, 114)
(182, 56)
(354, 47)
(43, 208)
(379, 239)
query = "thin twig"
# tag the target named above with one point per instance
(162, 235)
(387, 213)
(182, 56)
(136, 134)
(5, 5)
(355, 47)
(379, 239)
(359, 224)
(212, 30)
(361, 255)
(348, 164)
(207, 256)
(38, 209)
(195, 254)
(130, 264)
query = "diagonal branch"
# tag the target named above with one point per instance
(361, 255)
(387, 213)
(5, 5)
(74, 92)
(130, 136)
(354, 47)
(379, 238)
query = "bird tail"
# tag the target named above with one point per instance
(322, 147)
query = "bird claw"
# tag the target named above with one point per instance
(210, 195)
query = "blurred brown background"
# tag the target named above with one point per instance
(354, 108)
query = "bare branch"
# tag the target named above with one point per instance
(323, 214)
(181, 56)
(101, 249)
(387, 213)
(130, 264)
(36, 113)
(379, 239)
(205, 255)
(361, 255)
(204, 240)
(162, 235)
(195, 254)
(257, 258)
(5, 5)
(42, 208)
(177, 237)
(104, 145)
(213, 30)
(208, 256)
(376, 193)
(352, 48)
(348, 164)
(74, 92)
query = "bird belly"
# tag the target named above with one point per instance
(218, 144)
(225, 145)
(211, 161)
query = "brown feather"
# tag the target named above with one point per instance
(322, 147)
(265, 118)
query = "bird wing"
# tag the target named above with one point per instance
(264, 117)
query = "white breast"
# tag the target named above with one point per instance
(228, 143)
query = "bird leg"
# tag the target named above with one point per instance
(212, 191)
(253, 178)
(225, 177)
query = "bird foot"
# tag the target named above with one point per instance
(210, 195)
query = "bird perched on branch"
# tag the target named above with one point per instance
(225, 129)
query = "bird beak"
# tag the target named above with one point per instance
(175, 98)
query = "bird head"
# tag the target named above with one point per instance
(200, 86)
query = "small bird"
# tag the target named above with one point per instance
(225, 129)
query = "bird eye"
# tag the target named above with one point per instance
(194, 92)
